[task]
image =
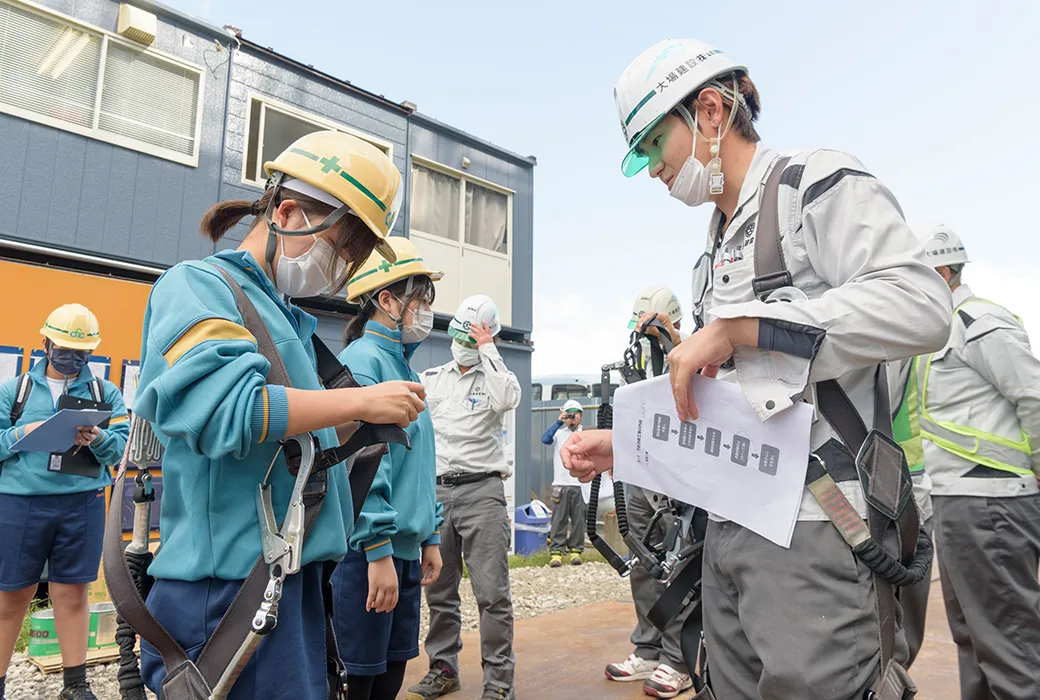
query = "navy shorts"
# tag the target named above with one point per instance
(290, 661)
(66, 530)
(369, 640)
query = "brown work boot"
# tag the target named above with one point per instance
(441, 680)
(498, 694)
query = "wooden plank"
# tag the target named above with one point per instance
(52, 663)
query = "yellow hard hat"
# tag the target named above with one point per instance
(72, 326)
(347, 171)
(378, 273)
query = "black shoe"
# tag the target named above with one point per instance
(441, 680)
(498, 694)
(78, 692)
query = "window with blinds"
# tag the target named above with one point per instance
(74, 78)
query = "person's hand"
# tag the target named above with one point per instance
(390, 403)
(588, 453)
(705, 351)
(563, 416)
(382, 585)
(29, 427)
(481, 334)
(431, 564)
(665, 320)
(86, 435)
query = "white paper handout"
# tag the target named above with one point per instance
(727, 461)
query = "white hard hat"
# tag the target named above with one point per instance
(572, 406)
(659, 79)
(942, 246)
(474, 311)
(657, 299)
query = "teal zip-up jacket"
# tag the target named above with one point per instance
(26, 473)
(203, 387)
(401, 514)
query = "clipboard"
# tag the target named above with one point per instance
(82, 462)
(58, 433)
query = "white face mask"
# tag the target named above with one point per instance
(464, 356)
(696, 184)
(422, 324)
(312, 272)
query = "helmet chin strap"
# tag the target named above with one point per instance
(274, 230)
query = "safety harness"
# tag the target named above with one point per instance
(24, 389)
(880, 466)
(254, 612)
(676, 558)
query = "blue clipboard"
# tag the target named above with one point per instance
(58, 433)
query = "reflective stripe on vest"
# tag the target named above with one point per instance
(969, 443)
(906, 424)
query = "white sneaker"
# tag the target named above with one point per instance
(631, 669)
(666, 682)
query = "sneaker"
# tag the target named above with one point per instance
(556, 560)
(78, 692)
(631, 669)
(498, 694)
(667, 682)
(441, 680)
(576, 558)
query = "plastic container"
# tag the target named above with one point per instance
(533, 522)
(102, 626)
(43, 638)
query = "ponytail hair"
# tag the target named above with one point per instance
(356, 327)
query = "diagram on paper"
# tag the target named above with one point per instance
(728, 460)
(713, 442)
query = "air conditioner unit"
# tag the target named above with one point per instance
(137, 25)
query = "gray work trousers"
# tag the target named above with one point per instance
(568, 509)
(913, 601)
(650, 643)
(475, 529)
(989, 549)
(790, 623)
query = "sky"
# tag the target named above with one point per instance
(938, 99)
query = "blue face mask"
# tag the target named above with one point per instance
(66, 361)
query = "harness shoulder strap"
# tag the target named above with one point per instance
(21, 397)
(97, 390)
(770, 269)
(277, 374)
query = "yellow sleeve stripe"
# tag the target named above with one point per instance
(263, 431)
(203, 331)
(119, 419)
(377, 546)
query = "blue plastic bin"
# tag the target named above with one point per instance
(532, 522)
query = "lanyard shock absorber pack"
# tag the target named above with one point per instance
(254, 612)
(880, 463)
(674, 559)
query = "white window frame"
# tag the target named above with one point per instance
(460, 240)
(296, 113)
(94, 132)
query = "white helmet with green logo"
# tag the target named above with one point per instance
(658, 80)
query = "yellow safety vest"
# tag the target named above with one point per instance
(970, 444)
(906, 424)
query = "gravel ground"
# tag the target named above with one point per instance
(536, 591)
